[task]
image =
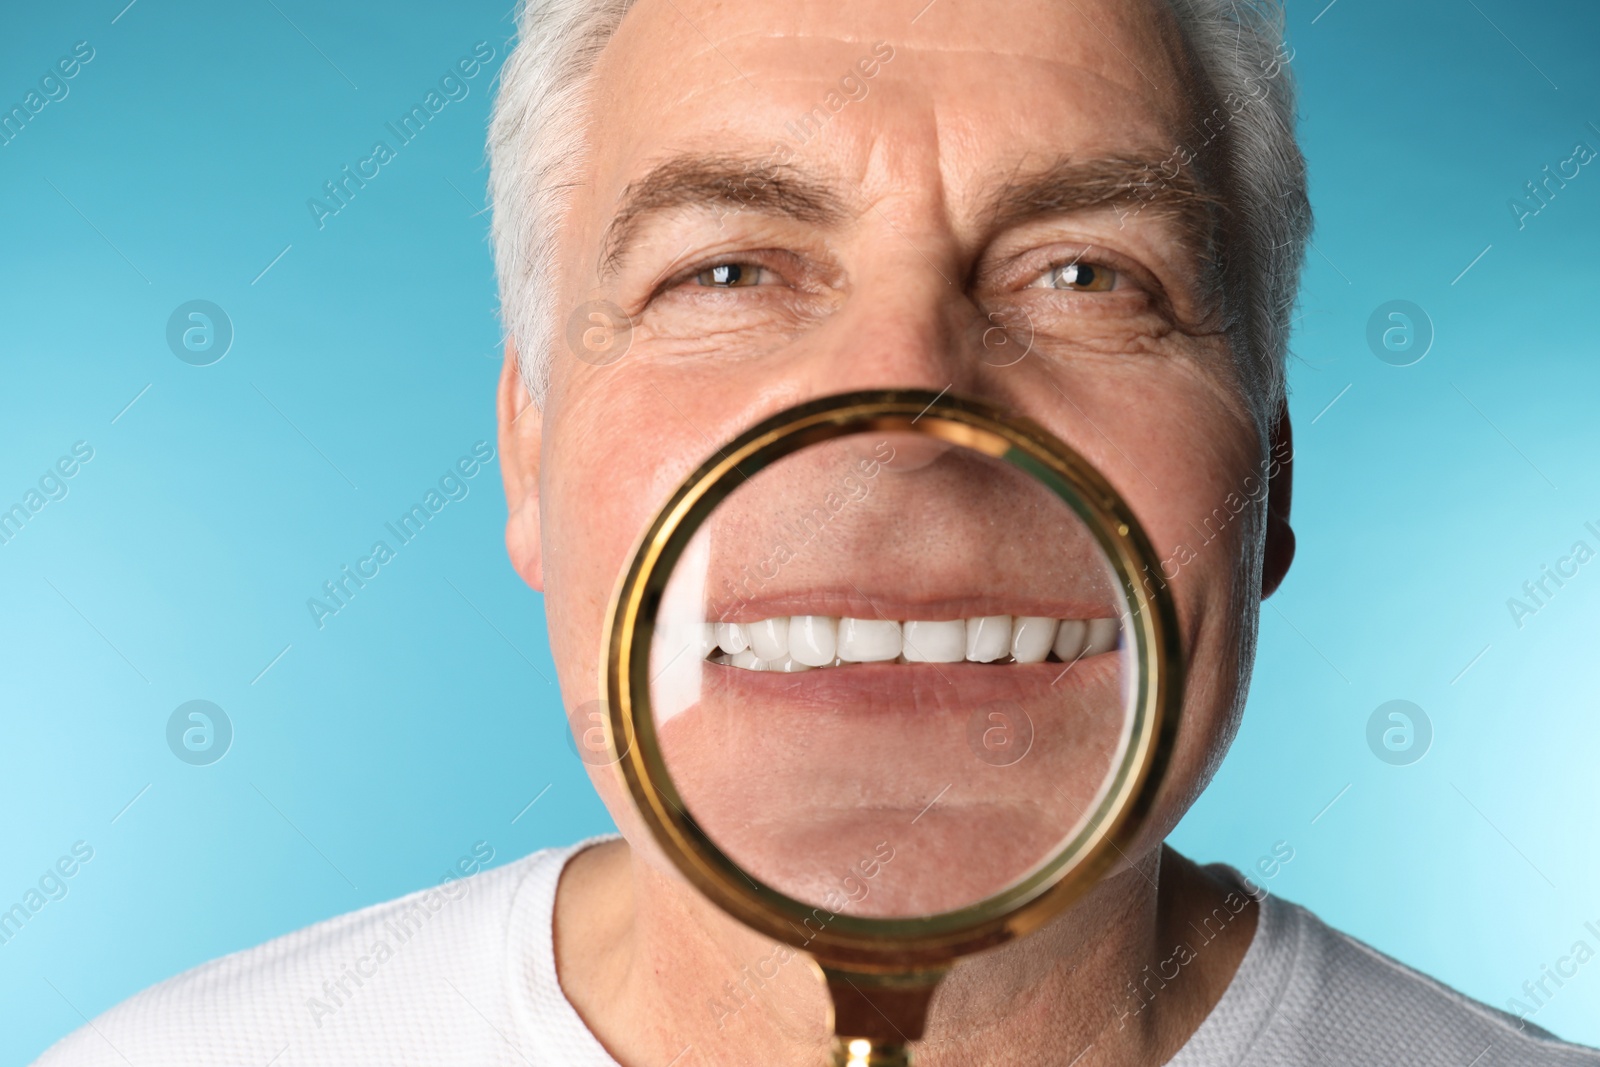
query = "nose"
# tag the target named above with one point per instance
(907, 322)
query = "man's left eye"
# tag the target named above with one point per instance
(730, 276)
(1078, 277)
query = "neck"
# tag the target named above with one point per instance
(1123, 977)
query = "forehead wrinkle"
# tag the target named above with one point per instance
(1139, 38)
(1155, 44)
(1108, 91)
(1156, 76)
(1106, 54)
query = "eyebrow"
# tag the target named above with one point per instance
(732, 184)
(1132, 185)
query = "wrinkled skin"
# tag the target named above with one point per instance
(895, 284)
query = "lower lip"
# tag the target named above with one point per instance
(798, 776)
(909, 689)
(888, 731)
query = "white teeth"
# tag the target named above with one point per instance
(1102, 636)
(1070, 639)
(1031, 638)
(935, 642)
(813, 639)
(988, 638)
(747, 660)
(732, 638)
(769, 638)
(868, 640)
(789, 644)
(751, 662)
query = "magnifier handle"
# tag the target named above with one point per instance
(877, 1016)
(864, 1052)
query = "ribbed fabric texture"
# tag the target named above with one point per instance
(1307, 995)
(435, 979)
(442, 983)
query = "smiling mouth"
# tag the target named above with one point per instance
(793, 643)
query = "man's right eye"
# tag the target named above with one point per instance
(1079, 278)
(730, 276)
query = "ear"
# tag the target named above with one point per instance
(1280, 487)
(520, 426)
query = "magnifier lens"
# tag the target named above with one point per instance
(891, 676)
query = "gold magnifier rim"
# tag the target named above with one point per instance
(884, 945)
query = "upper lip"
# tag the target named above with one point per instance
(855, 603)
(963, 537)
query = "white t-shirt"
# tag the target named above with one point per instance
(466, 974)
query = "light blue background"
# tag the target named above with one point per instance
(420, 720)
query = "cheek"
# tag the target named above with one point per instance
(593, 503)
(1180, 446)
(1168, 430)
(1197, 457)
(619, 440)
(594, 498)
(1199, 447)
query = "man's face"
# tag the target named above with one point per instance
(792, 199)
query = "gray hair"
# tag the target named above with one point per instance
(537, 139)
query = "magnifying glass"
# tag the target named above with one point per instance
(890, 678)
